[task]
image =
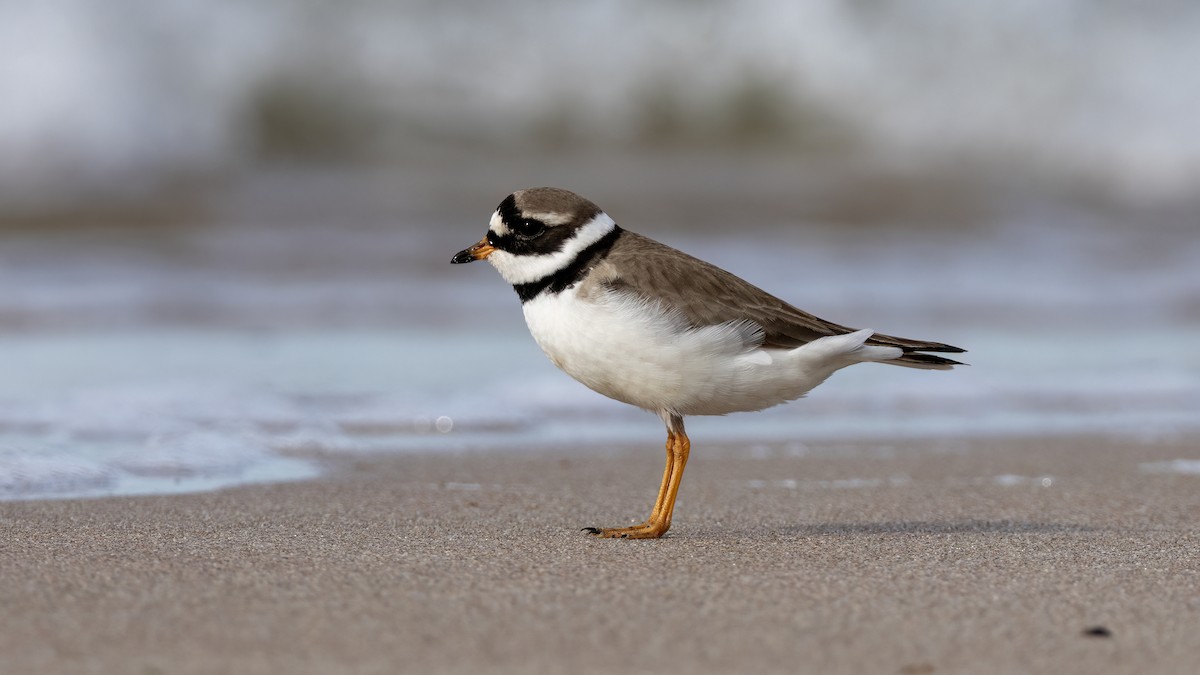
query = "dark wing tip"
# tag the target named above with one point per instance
(912, 346)
(929, 360)
(935, 347)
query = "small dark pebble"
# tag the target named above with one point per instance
(1097, 631)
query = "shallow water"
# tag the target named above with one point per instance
(203, 357)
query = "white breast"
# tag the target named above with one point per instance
(639, 353)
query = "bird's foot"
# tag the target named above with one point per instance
(647, 530)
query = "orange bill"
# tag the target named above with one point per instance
(479, 251)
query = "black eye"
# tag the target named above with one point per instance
(528, 227)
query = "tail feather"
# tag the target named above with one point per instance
(912, 352)
(925, 362)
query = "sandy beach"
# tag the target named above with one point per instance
(949, 556)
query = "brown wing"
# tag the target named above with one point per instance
(708, 295)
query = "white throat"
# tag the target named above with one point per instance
(524, 269)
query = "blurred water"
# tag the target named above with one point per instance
(128, 96)
(225, 226)
(160, 359)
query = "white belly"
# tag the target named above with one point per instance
(638, 353)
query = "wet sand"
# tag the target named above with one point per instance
(919, 557)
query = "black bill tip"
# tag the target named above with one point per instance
(463, 256)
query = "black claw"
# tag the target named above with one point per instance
(591, 530)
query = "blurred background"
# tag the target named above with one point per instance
(225, 227)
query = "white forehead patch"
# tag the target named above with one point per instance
(496, 224)
(524, 269)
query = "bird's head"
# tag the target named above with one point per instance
(537, 232)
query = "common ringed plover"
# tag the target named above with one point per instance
(643, 323)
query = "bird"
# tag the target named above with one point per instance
(645, 324)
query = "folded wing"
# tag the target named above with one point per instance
(708, 295)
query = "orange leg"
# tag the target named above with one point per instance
(678, 449)
(668, 471)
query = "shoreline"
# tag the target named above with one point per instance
(953, 555)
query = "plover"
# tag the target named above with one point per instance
(645, 324)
